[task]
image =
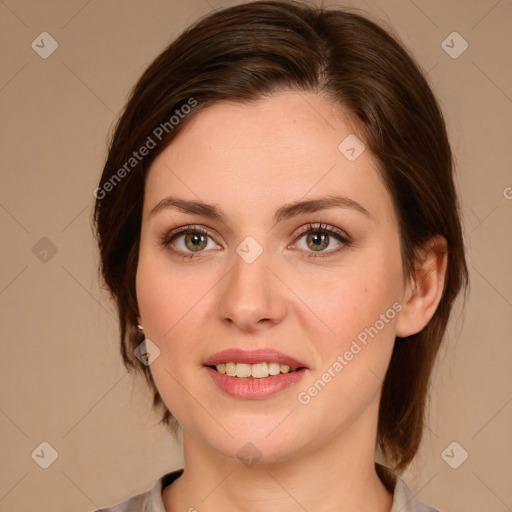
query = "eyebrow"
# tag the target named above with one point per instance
(285, 212)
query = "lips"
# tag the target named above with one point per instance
(236, 355)
(247, 385)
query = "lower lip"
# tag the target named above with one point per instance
(254, 389)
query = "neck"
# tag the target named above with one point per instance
(334, 474)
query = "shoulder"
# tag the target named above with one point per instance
(405, 501)
(148, 501)
(135, 503)
(403, 498)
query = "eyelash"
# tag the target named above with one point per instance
(339, 235)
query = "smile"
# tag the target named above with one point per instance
(254, 374)
(254, 371)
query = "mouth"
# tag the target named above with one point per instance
(253, 371)
(254, 374)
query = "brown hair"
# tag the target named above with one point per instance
(248, 52)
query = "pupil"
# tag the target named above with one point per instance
(196, 240)
(318, 240)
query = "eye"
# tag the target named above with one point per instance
(318, 237)
(187, 240)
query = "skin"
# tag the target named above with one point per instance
(249, 160)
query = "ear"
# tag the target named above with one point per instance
(424, 288)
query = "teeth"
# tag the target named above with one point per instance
(243, 370)
(230, 369)
(274, 368)
(259, 370)
(256, 371)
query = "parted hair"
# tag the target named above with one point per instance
(251, 51)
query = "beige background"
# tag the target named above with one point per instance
(61, 375)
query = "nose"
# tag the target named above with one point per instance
(251, 297)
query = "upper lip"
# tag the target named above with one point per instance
(263, 355)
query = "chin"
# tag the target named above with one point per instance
(249, 451)
(253, 441)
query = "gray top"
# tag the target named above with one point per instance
(151, 501)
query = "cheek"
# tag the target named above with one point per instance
(354, 340)
(171, 310)
(344, 303)
(170, 301)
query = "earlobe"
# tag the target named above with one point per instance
(424, 288)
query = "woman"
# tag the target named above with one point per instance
(278, 225)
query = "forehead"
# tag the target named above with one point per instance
(257, 156)
(284, 126)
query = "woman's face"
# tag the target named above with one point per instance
(324, 302)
